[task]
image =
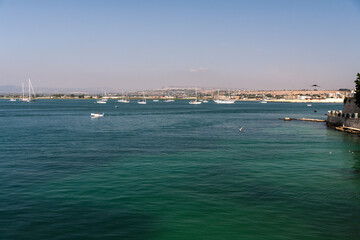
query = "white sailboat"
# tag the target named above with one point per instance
(224, 101)
(196, 100)
(123, 99)
(104, 99)
(101, 101)
(12, 100)
(142, 101)
(23, 93)
(31, 90)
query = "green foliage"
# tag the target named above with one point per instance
(357, 90)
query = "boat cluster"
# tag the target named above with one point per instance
(31, 94)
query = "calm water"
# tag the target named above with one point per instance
(175, 171)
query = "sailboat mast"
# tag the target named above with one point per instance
(32, 89)
(23, 89)
(29, 90)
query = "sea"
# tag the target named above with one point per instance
(175, 171)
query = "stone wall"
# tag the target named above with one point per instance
(348, 117)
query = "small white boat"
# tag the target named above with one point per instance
(240, 129)
(309, 105)
(96, 115)
(196, 100)
(219, 101)
(123, 101)
(101, 101)
(205, 101)
(12, 100)
(155, 100)
(142, 101)
(263, 101)
(169, 100)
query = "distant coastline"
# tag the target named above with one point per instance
(290, 96)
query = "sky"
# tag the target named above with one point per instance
(149, 44)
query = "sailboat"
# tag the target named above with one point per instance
(264, 100)
(222, 101)
(12, 100)
(31, 90)
(123, 100)
(142, 101)
(196, 100)
(103, 100)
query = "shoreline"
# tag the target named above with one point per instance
(335, 100)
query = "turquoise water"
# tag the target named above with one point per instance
(175, 171)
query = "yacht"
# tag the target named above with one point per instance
(224, 101)
(123, 100)
(220, 101)
(169, 100)
(101, 101)
(31, 90)
(104, 99)
(12, 100)
(264, 101)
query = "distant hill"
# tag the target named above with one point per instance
(10, 89)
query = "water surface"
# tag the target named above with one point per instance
(175, 171)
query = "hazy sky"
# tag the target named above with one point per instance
(131, 44)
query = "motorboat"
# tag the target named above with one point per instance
(96, 115)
